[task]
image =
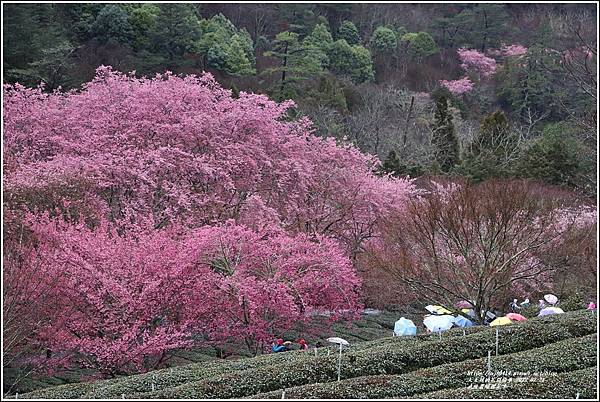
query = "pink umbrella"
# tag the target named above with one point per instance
(463, 304)
(516, 317)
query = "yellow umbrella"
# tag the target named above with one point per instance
(501, 321)
(438, 310)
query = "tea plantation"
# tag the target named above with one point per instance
(549, 357)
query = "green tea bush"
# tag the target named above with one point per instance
(167, 378)
(566, 355)
(560, 386)
(385, 359)
(245, 377)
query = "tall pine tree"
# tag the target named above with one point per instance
(444, 140)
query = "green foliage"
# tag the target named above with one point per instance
(397, 168)
(559, 386)
(35, 47)
(419, 45)
(353, 61)
(383, 40)
(444, 140)
(385, 359)
(301, 17)
(493, 151)
(298, 61)
(226, 48)
(562, 356)
(349, 33)
(527, 85)
(263, 43)
(320, 42)
(481, 26)
(143, 23)
(112, 24)
(554, 157)
(319, 38)
(177, 31)
(396, 356)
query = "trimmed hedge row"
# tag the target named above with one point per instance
(560, 386)
(167, 378)
(384, 360)
(566, 355)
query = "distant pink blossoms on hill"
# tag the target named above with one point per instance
(458, 87)
(513, 50)
(477, 62)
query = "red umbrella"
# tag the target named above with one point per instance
(516, 317)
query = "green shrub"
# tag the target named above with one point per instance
(559, 386)
(566, 355)
(275, 371)
(388, 359)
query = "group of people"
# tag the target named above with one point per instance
(281, 346)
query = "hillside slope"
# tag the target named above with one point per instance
(384, 368)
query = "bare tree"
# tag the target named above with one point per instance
(473, 242)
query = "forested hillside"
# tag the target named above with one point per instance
(192, 182)
(478, 90)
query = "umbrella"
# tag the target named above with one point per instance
(550, 311)
(439, 310)
(462, 322)
(468, 311)
(550, 298)
(463, 304)
(501, 321)
(438, 323)
(404, 327)
(516, 317)
(338, 340)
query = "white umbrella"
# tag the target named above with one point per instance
(550, 298)
(404, 327)
(438, 323)
(550, 311)
(341, 342)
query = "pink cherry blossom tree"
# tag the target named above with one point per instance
(177, 214)
(476, 62)
(458, 87)
(181, 149)
(127, 301)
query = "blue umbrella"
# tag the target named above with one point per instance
(404, 327)
(462, 322)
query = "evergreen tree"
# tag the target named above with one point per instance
(554, 157)
(383, 40)
(419, 45)
(349, 33)
(112, 24)
(353, 61)
(444, 140)
(493, 152)
(298, 61)
(177, 31)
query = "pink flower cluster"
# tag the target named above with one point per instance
(214, 218)
(458, 87)
(476, 62)
(513, 50)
